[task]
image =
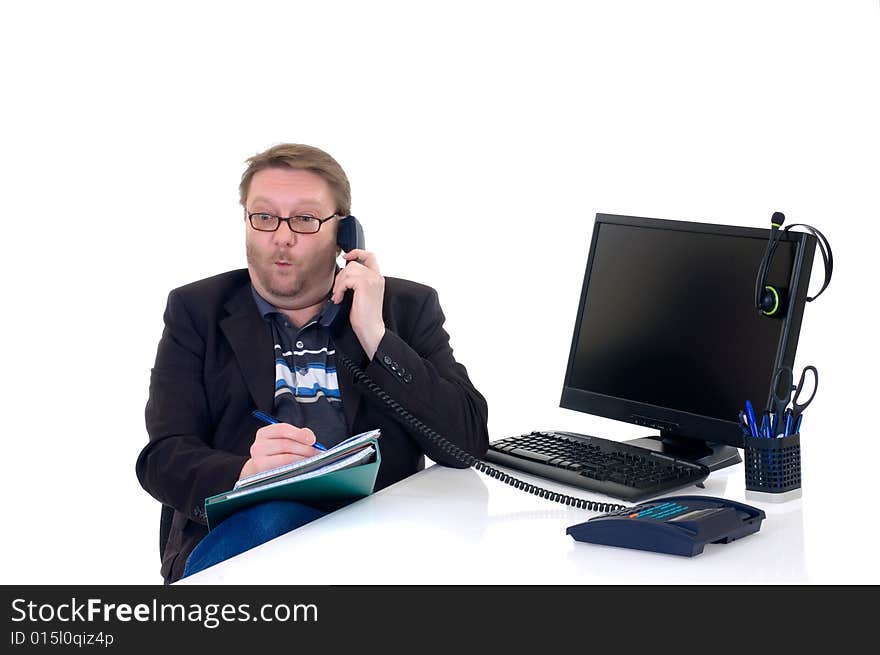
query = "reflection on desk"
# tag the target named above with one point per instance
(456, 526)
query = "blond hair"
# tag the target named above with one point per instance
(302, 157)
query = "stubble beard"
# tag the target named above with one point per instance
(298, 284)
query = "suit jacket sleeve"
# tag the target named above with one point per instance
(179, 467)
(418, 370)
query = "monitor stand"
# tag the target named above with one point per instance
(714, 455)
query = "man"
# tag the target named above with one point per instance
(256, 339)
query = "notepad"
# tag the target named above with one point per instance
(347, 471)
(322, 459)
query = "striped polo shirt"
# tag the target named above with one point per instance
(306, 387)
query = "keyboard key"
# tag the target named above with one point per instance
(529, 454)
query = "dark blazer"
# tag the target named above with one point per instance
(215, 364)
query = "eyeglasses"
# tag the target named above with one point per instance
(304, 224)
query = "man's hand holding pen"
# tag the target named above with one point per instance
(361, 275)
(278, 444)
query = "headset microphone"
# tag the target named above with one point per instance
(770, 300)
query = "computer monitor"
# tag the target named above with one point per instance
(667, 334)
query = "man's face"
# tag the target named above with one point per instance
(290, 270)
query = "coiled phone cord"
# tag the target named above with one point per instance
(465, 457)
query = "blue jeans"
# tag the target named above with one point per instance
(247, 528)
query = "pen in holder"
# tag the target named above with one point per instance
(773, 468)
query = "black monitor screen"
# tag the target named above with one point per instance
(668, 320)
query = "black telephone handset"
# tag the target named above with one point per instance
(350, 235)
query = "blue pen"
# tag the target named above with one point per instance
(788, 423)
(765, 425)
(271, 420)
(797, 427)
(753, 423)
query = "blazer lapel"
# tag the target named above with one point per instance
(251, 341)
(346, 342)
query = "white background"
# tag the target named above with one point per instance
(481, 138)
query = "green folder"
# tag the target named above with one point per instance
(344, 484)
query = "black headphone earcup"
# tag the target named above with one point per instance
(771, 301)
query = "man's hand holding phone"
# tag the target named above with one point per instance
(361, 275)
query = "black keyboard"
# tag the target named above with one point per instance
(619, 470)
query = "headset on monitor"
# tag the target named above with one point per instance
(767, 297)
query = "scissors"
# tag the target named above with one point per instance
(788, 420)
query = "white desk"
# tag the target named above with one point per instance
(454, 526)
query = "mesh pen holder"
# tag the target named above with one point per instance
(773, 468)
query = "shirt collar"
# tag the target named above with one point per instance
(266, 308)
